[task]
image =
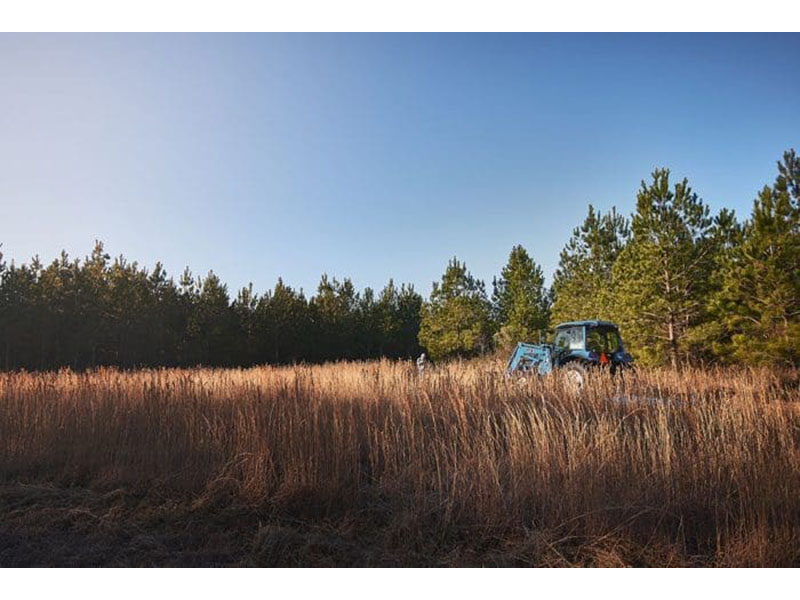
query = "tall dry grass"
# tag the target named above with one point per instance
(457, 467)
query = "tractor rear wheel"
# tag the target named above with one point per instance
(575, 374)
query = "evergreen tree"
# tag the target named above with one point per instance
(710, 339)
(519, 300)
(25, 315)
(333, 311)
(18, 319)
(397, 324)
(388, 321)
(55, 306)
(188, 296)
(456, 320)
(661, 277)
(409, 308)
(367, 343)
(582, 287)
(167, 320)
(758, 303)
(92, 304)
(129, 312)
(246, 350)
(284, 325)
(213, 322)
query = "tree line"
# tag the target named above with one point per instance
(683, 284)
(98, 311)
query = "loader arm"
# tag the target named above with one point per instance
(530, 357)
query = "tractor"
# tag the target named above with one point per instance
(577, 347)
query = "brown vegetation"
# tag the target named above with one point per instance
(368, 464)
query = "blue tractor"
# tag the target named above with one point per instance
(577, 347)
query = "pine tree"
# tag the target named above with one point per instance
(166, 320)
(333, 310)
(409, 308)
(709, 340)
(246, 344)
(92, 303)
(759, 299)
(455, 322)
(283, 325)
(129, 299)
(213, 322)
(519, 300)
(188, 295)
(397, 321)
(388, 321)
(661, 277)
(366, 319)
(582, 287)
(18, 319)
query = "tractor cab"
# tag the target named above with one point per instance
(590, 342)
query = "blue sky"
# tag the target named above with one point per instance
(371, 156)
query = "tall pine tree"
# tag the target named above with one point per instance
(582, 287)
(759, 299)
(520, 304)
(456, 320)
(661, 277)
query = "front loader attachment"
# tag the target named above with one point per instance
(530, 358)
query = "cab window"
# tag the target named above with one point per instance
(569, 338)
(603, 340)
(595, 340)
(614, 343)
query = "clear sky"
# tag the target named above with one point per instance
(371, 156)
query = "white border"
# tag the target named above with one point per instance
(408, 15)
(398, 15)
(396, 584)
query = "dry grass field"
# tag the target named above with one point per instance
(367, 464)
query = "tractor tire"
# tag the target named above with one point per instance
(575, 374)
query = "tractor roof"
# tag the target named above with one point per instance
(586, 323)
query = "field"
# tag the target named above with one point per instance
(353, 464)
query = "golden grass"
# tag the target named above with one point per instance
(700, 467)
